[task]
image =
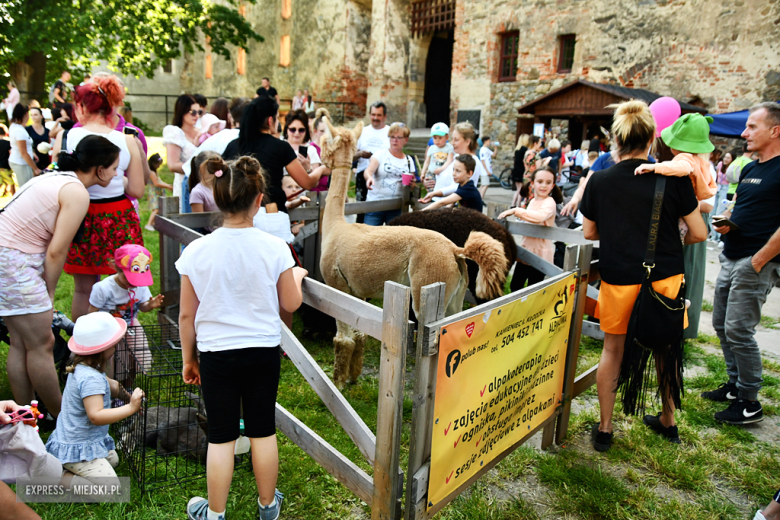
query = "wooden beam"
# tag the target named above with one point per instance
(580, 255)
(388, 487)
(592, 330)
(196, 220)
(432, 309)
(344, 307)
(306, 231)
(357, 430)
(357, 208)
(340, 467)
(556, 234)
(584, 381)
(178, 232)
(537, 262)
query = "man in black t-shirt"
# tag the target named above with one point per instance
(750, 267)
(59, 92)
(267, 89)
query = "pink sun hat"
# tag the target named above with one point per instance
(210, 119)
(136, 263)
(96, 332)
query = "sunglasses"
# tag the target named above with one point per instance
(196, 112)
(296, 130)
(397, 123)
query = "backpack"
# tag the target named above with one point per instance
(57, 84)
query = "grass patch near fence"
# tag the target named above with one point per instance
(719, 472)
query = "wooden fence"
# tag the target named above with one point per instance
(384, 490)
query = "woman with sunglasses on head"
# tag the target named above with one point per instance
(111, 220)
(296, 132)
(181, 140)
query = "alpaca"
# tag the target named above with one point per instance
(357, 259)
(457, 224)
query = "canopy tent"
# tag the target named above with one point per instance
(731, 124)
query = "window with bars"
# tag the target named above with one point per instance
(566, 53)
(168, 66)
(507, 70)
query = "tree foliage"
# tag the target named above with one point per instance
(135, 37)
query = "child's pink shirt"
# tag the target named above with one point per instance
(693, 166)
(542, 212)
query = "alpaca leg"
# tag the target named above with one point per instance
(344, 346)
(356, 364)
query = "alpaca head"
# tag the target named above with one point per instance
(339, 144)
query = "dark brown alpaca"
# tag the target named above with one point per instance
(456, 224)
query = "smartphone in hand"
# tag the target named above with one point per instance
(304, 150)
(720, 221)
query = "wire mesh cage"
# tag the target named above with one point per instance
(165, 444)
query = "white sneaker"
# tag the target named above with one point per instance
(759, 516)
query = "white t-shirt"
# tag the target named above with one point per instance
(109, 297)
(18, 133)
(311, 154)
(438, 156)
(374, 141)
(387, 177)
(447, 184)
(276, 224)
(216, 143)
(234, 273)
(485, 154)
(117, 185)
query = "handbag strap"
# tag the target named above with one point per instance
(655, 221)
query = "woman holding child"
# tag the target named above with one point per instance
(36, 230)
(617, 206)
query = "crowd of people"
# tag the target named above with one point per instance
(240, 159)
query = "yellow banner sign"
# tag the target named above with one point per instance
(500, 375)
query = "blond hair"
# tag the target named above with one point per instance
(522, 141)
(466, 131)
(633, 126)
(398, 128)
(554, 145)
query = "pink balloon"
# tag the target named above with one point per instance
(665, 111)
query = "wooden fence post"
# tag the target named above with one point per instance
(310, 254)
(573, 351)
(169, 253)
(432, 309)
(321, 197)
(388, 481)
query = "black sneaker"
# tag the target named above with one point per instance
(725, 392)
(654, 423)
(602, 441)
(741, 411)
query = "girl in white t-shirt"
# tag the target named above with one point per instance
(233, 284)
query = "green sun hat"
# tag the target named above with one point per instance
(689, 134)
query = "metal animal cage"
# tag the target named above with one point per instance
(165, 444)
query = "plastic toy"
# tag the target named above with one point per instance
(28, 415)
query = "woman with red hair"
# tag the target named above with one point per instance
(111, 221)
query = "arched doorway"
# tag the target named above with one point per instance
(438, 78)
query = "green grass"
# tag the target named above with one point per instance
(719, 472)
(706, 306)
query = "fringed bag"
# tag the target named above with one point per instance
(654, 340)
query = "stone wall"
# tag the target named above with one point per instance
(723, 53)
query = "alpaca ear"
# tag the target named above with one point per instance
(358, 130)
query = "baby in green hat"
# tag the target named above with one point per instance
(689, 140)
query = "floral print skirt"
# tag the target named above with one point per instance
(109, 224)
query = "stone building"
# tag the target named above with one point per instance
(434, 60)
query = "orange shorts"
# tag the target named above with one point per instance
(616, 302)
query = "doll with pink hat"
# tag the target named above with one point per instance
(81, 441)
(210, 125)
(126, 293)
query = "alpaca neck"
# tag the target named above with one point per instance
(337, 197)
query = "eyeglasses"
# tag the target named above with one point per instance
(296, 130)
(397, 137)
(196, 112)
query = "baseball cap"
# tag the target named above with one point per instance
(135, 262)
(440, 129)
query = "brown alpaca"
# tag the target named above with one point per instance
(358, 259)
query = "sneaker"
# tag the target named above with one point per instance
(198, 509)
(149, 228)
(759, 516)
(602, 441)
(725, 392)
(654, 423)
(272, 511)
(741, 411)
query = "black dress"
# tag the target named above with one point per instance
(518, 169)
(44, 159)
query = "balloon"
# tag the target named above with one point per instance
(665, 111)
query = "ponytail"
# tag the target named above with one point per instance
(196, 163)
(236, 184)
(91, 152)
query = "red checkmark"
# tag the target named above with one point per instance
(447, 429)
(480, 440)
(483, 391)
(448, 478)
(457, 441)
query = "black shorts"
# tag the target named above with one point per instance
(232, 377)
